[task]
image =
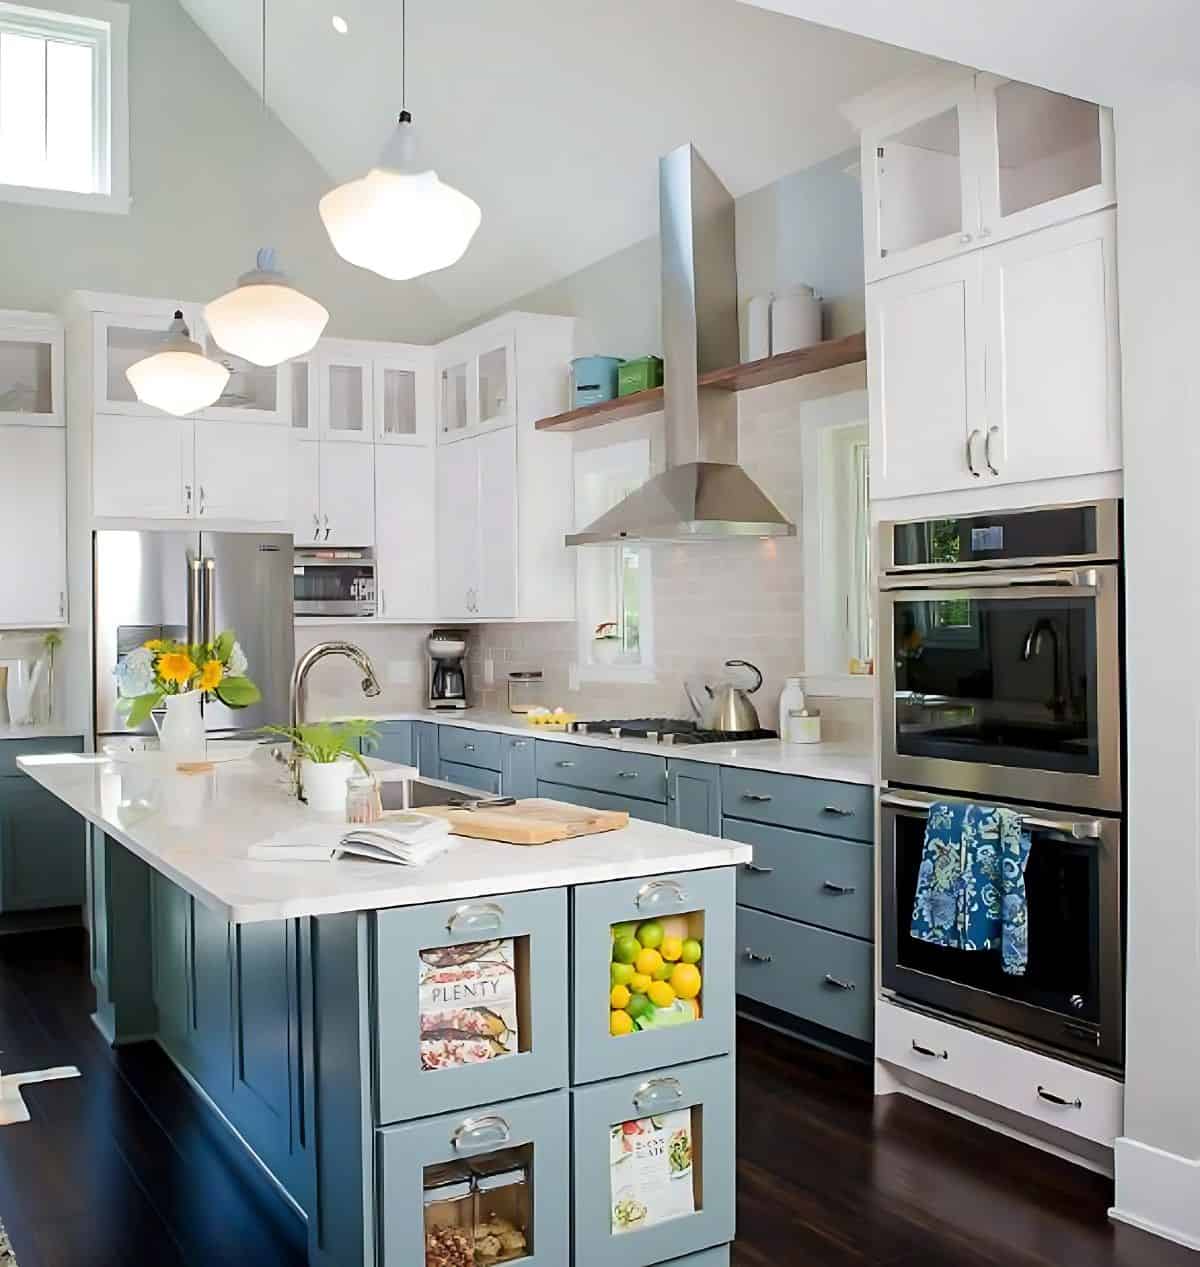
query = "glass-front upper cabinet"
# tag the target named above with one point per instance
(346, 382)
(31, 369)
(477, 388)
(254, 393)
(120, 340)
(304, 412)
(404, 399)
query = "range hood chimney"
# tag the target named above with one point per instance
(703, 495)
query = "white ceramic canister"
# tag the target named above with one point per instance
(791, 705)
(795, 319)
(324, 783)
(758, 328)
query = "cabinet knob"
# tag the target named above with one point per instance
(966, 239)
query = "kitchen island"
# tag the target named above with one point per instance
(293, 996)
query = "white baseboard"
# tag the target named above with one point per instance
(1157, 1191)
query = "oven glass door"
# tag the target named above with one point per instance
(1007, 688)
(1069, 994)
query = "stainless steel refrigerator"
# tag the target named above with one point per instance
(190, 586)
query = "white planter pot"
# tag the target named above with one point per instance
(181, 734)
(324, 783)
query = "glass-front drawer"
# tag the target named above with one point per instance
(470, 1002)
(470, 1190)
(654, 1165)
(652, 972)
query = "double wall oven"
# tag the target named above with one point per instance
(1000, 682)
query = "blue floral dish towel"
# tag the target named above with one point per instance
(971, 885)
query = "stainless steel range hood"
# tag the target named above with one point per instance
(703, 495)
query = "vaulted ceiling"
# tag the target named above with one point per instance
(551, 114)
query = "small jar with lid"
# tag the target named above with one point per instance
(503, 1216)
(363, 802)
(525, 689)
(449, 1200)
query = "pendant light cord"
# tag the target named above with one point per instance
(263, 80)
(403, 56)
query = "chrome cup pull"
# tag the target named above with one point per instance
(928, 1051)
(657, 1093)
(477, 917)
(656, 893)
(475, 1133)
(1076, 1103)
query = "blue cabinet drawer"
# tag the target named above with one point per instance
(812, 878)
(538, 1129)
(648, 811)
(705, 1090)
(635, 774)
(814, 974)
(471, 776)
(537, 1060)
(706, 899)
(395, 743)
(11, 749)
(833, 809)
(469, 747)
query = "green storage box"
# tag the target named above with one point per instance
(637, 376)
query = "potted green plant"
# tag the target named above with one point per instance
(329, 753)
(606, 643)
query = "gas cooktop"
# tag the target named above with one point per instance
(666, 730)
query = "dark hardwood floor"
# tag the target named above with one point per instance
(125, 1165)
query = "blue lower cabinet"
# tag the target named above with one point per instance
(434, 942)
(694, 796)
(41, 848)
(697, 904)
(484, 1153)
(647, 811)
(471, 776)
(395, 743)
(518, 769)
(819, 805)
(623, 774)
(612, 1218)
(466, 746)
(425, 753)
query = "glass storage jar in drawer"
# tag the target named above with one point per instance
(653, 1165)
(471, 1000)
(651, 972)
(515, 1207)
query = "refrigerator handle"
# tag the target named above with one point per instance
(193, 602)
(210, 599)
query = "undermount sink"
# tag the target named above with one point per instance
(415, 793)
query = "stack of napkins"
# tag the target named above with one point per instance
(407, 839)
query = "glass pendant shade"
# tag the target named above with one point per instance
(398, 221)
(179, 379)
(264, 319)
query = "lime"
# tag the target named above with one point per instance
(671, 949)
(620, 973)
(639, 983)
(626, 949)
(620, 1023)
(693, 952)
(663, 971)
(648, 962)
(661, 994)
(650, 934)
(624, 930)
(685, 980)
(619, 997)
(638, 1005)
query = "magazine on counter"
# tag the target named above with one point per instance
(650, 1170)
(405, 838)
(467, 1003)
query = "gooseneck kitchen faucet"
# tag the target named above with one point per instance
(370, 682)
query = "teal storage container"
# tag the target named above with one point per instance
(594, 378)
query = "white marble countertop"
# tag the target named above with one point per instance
(44, 730)
(842, 763)
(196, 829)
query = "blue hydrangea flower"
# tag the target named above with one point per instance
(238, 664)
(135, 673)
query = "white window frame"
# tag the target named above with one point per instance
(617, 458)
(105, 25)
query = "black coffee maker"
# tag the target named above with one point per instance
(448, 668)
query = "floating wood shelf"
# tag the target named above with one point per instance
(738, 378)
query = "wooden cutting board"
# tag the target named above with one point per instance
(532, 822)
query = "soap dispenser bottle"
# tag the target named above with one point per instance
(791, 705)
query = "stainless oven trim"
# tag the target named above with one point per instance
(334, 607)
(1108, 542)
(1100, 791)
(1022, 1020)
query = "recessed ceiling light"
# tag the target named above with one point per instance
(340, 25)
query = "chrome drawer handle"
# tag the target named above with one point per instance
(841, 890)
(480, 1132)
(755, 869)
(564, 765)
(469, 747)
(928, 1051)
(1076, 1103)
(837, 983)
(520, 743)
(837, 811)
(655, 1091)
(754, 796)
(757, 958)
(626, 774)
(653, 893)
(480, 917)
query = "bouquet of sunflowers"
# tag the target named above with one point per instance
(163, 667)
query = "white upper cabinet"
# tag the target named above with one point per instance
(403, 397)
(347, 494)
(31, 369)
(239, 466)
(405, 530)
(345, 383)
(33, 520)
(304, 493)
(304, 402)
(477, 389)
(143, 468)
(120, 340)
(254, 393)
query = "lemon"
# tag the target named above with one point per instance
(619, 998)
(620, 973)
(693, 951)
(661, 994)
(650, 934)
(626, 949)
(685, 980)
(671, 949)
(648, 962)
(639, 983)
(620, 1023)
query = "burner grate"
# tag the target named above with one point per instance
(667, 730)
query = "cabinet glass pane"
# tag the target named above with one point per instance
(654, 1170)
(125, 345)
(250, 387)
(346, 398)
(479, 1212)
(1049, 146)
(25, 378)
(454, 398)
(657, 974)
(493, 384)
(300, 421)
(920, 184)
(399, 403)
(473, 1002)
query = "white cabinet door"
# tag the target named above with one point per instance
(477, 386)
(457, 530)
(496, 587)
(347, 494)
(405, 531)
(345, 385)
(33, 524)
(241, 471)
(403, 399)
(31, 370)
(304, 492)
(143, 468)
(254, 393)
(303, 402)
(121, 339)
(1053, 353)
(925, 375)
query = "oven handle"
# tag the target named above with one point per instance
(1080, 579)
(1077, 828)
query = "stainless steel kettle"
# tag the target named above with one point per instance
(728, 706)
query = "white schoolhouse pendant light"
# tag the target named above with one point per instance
(264, 319)
(400, 220)
(178, 378)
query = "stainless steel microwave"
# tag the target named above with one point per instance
(334, 582)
